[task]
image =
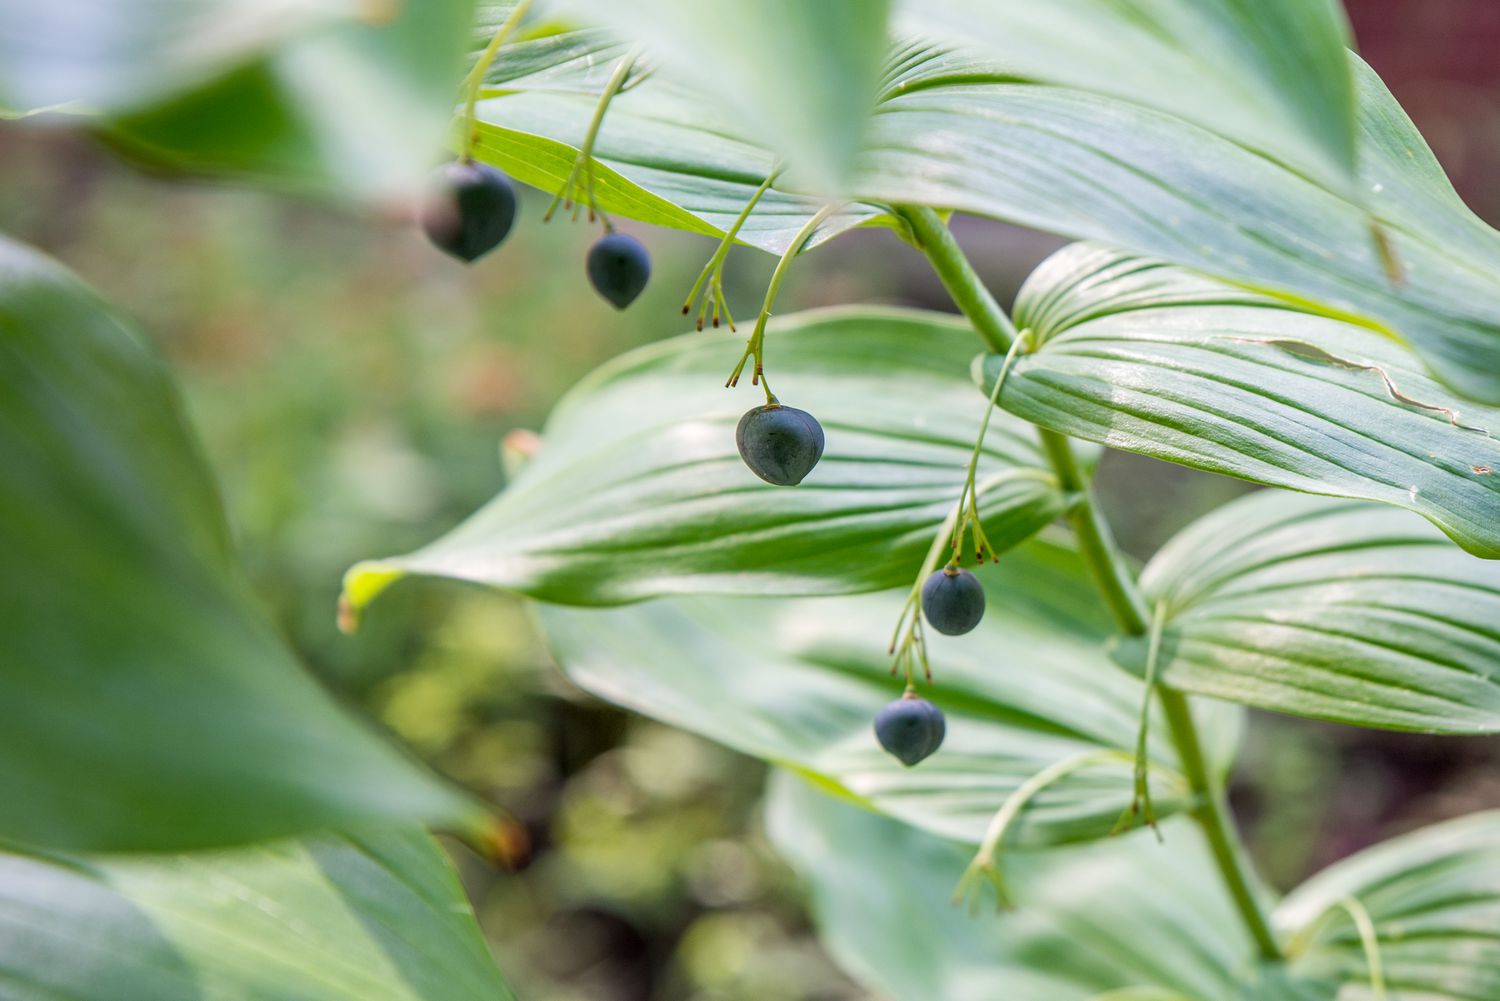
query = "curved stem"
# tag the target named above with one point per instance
(1112, 575)
(712, 271)
(753, 346)
(475, 78)
(584, 162)
(958, 277)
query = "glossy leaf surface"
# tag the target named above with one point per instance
(799, 682)
(1153, 359)
(1340, 610)
(638, 490)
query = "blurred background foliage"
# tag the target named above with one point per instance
(353, 386)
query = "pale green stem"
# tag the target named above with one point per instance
(475, 79)
(1111, 574)
(584, 162)
(754, 346)
(712, 270)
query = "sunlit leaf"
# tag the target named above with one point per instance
(960, 133)
(1273, 74)
(799, 682)
(799, 78)
(1123, 913)
(356, 918)
(1340, 610)
(638, 489)
(1433, 898)
(1153, 359)
(144, 701)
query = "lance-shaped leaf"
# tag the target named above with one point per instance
(1273, 75)
(1149, 920)
(144, 701)
(638, 489)
(799, 682)
(1090, 167)
(1339, 610)
(1150, 358)
(799, 78)
(963, 133)
(376, 916)
(1432, 899)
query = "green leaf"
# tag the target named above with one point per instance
(799, 683)
(1117, 914)
(1146, 357)
(954, 132)
(147, 704)
(352, 109)
(1093, 168)
(97, 55)
(639, 491)
(1433, 897)
(377, 917)
(1339, 610)
(799, 78)
(1272, 75)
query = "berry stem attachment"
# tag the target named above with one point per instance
(1140, 799)
(475, 80)
(755, 346)
(968, 501)
(713, 272)
(574, 192)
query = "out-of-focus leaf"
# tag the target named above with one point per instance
(799, 78)
(639, 491)
(144, 702)
(1273, 75)
(1433, 897)
(1147, 357)
(1117, 914)
(101, 55)
(377, 917)
(354, 108)
(799, 682)
(1340, 610)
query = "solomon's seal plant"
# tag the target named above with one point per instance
(1223, 168)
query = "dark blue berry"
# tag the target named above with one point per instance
(953, 601)
(468, 209)
(910, 728)
(618, 267)
(780, 444)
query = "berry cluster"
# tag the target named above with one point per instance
(468, 211)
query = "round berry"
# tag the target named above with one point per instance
(780, 444)
(910, 728)
(468, 209)
(618, 266)
(953, 601)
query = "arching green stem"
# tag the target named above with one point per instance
(475, 80)
(755, 346)
(1369, 939)
(1140, 800)
(986, 865)
(584, 163)
(1110, 572)
(908, 644)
